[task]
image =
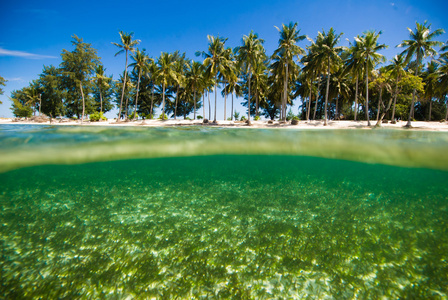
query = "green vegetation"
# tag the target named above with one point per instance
(332, 82)
(2, 83)
(97, 116)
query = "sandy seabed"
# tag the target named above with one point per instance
(317, 124)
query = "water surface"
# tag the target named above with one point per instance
(115, 213)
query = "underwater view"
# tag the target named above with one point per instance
(222, 213)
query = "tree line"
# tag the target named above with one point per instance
(332, 82)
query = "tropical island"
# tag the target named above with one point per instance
(329, 81)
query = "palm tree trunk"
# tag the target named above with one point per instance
(285, 97)
(163, 101)
(40, 104)
(83, 103)
(430, 107)
(216, 94)
(317, 98)
(327, 91)
(194, 99)
(367, 95)
(209, 106)
(225, 101)
(248, 99)
(336, 114)
(136, 96)
(395, 99)
(380, 102)
(231, 115)
(411, 112)
(152, 100)
(356, 98)
(446, 116)
(127, 109)
(124, 86)
(309, 104)
(203, 104)
(175, 105)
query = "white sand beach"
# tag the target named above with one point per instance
(318, 124)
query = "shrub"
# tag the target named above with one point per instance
(243, 118)
(199, 117)
(96, 116)
(163, 117)
(131, 116)
(295, 120)
(257, 118)
(187, 118)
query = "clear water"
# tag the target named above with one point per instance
(141, 213)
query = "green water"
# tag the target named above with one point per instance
(222, 213)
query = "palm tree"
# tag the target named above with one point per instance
(286, 51)
(229, 74)
(233, 87)
(327, 53)
(313, 67)
(396, 68)
(368, 48)
(101, 80)
(152, 75)
(443, 75)
(353, 66)
(165, 74)
(431, 80)
(422, 45)
(259, 78)
(195, 77)
(127, 44)
(180, 66)
(141, 64)
(249, 54)
(339, 87)
(215, 60)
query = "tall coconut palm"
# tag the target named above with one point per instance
(215, 60)
(232, 87)
(431, 80)
(152, 74)
(368, 48)
(288, 50)
(141, 65)
(165, 74)
(396, 68)
(248, 54)
(354, 66)
(229, 74)
(180, 66)
(259, 79)
(421, 45)
(314, 66)
(195, 77)
(101, 80)
(127, 44)
(327, 52)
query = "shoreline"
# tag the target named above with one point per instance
(313, 124)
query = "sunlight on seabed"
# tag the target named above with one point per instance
(23, 146)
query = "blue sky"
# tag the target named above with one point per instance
(33, 33)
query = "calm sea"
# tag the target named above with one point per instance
(219, 213)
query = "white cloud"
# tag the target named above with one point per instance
(6, 52)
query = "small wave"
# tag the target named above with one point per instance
(24, 146)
